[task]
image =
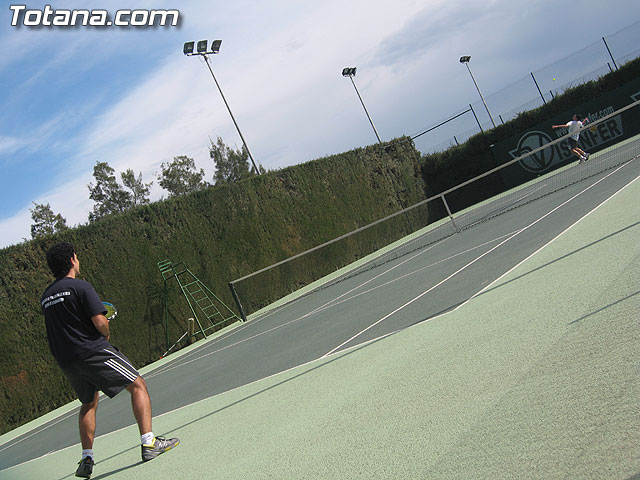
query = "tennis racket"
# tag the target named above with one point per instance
(111, 310)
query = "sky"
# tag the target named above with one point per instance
(74, 96)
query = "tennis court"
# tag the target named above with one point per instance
(507, 350)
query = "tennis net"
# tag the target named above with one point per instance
(437, 217)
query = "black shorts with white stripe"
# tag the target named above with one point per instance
(107, 370)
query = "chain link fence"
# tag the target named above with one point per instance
(533, 90)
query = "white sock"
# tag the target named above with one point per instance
(147, 438)
(87, 453)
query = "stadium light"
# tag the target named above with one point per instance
(351, 72)
(188, 48)
(465, 59)
(215, 48)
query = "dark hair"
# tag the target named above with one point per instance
(59, 259)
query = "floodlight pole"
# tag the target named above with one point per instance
(206, 59)
(465, 60)
(351, 73)
(215, 48)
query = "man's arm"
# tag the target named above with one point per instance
(102, 325)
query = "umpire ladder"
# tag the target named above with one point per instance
(208, 310)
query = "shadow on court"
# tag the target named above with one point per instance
(584, 317)
(114, 472)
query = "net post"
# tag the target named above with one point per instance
(237, 299)
(446, 205)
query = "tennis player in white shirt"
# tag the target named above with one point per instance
(574, 127)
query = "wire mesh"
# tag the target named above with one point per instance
(589, 63)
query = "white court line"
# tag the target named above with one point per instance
(339, 300)
(553, 239)
(330, 302)
(478, 258)
(254, 322)
(323, 307)
(484, 289)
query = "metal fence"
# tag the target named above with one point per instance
(533, 89)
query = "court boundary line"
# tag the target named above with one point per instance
(321, 308)
(487, 287)
(558, 236)
(486, 253)
(339, 299)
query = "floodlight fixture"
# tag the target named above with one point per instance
(201, 48)
(188, 48)
(215, 46)
(350, 72)
(465, 59)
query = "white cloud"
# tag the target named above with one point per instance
(10, 144)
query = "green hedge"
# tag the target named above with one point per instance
(221, 233)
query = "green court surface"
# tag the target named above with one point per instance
(536, 377)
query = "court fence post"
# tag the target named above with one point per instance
(476, 117)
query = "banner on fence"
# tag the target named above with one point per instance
(600, 135)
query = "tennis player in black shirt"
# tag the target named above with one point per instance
(78, 335)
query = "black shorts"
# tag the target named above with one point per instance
(572, 143)
(107, 370)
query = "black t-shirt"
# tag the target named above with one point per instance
(68, 305)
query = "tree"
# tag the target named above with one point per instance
(45, 221)
(180, 176)
(139, 189)
(231, 165)
(108, 195)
